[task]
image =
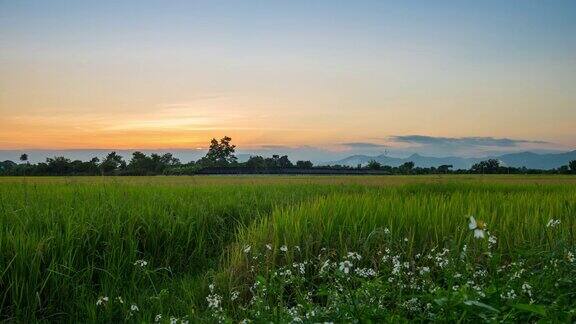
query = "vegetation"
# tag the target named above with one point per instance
(282, 249)
(220, 158)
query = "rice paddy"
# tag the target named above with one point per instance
(288, 249)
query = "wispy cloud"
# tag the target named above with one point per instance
(363, 145)
(462, 141)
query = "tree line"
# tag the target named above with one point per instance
(220, 158)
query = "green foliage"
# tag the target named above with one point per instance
(158, 243)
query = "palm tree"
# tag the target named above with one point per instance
(24, 157)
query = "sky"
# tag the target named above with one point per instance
(323, 77)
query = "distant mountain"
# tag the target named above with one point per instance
(527, 159)
(537, 161)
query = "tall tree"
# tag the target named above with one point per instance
(112, 162)
(24, 158)
(220, 153)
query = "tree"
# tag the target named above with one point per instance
(256, 162)
(406, 167)
(59, 165)
(112, 162)
(24, 157)
(374, 165)
(445, 168)
(572, 165)
(140, 164)
(304, 165)
(220, 153)
(488, 166)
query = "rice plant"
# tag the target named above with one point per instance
(177, 249)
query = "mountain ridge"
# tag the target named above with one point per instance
(526, 159)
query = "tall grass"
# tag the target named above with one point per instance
(65, 243)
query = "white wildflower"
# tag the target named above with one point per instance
(134, 308)
(102, 301)
(570, 256)
(509, 295)
(120, 300)
(527, 289)
(354, 256)
(284, 248)
(157, 318)
(553, 223)
(247, 248)
(269, 247)
(492, 240)
(141, 263)
(365, 272)
(345, 266)
(477, 226)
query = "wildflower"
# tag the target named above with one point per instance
(325, 266)
(247, 248)
(509, 295)
(214, 301)
(492, 240)
(345, 266)
(141, 263)
(297, 248)
(570, 256)
(300, 266)
(234, 295)
(366, 272)
(173, 320)
(354, 256)
(120, 300)
(134, 308)
(269, 247)
(477, 226)
(424, 270)
(386, 231)
(527, 289)
(284, 248)
(553, 223)
(102, 301)
(157, 318)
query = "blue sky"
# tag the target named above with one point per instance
(292, 74)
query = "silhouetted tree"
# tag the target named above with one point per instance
(445, 168)
(256, 163)
(488, 166)
(220, 153)
(572, 165)
(374, 165)
(304, 164)
(59, 165)
(406, 167)
(112, 162)
(24, 158)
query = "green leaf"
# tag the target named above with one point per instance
(479, 304)
(536, 309)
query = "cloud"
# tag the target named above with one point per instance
(462, 141)
(363, 145)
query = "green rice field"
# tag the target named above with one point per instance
(239, 249)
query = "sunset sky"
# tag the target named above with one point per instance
(452, 76)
